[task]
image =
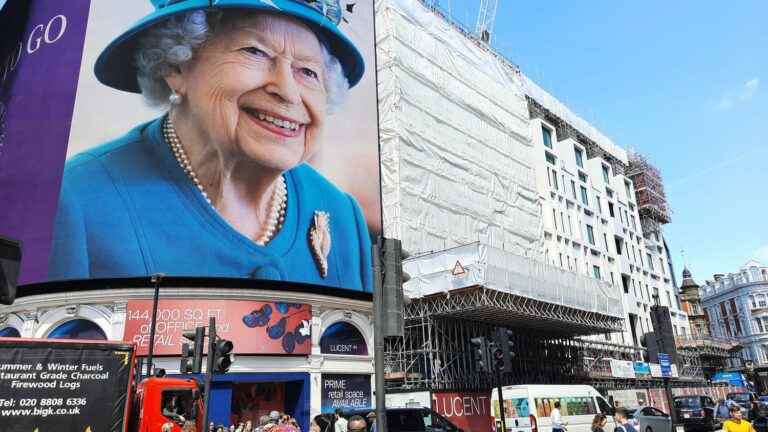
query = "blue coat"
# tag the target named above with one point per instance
(128, 209)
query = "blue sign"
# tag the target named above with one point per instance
(665, 361)
(642, 368)
(345, 391)
(733, 378)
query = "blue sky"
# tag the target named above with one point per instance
(684, 82)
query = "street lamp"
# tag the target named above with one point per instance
(155, 279)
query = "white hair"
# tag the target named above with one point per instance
(173, 42)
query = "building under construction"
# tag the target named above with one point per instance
(467, 188)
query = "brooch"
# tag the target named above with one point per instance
(320, 240)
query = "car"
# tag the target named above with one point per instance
(696, 413)
(411, 420)
(650, 419)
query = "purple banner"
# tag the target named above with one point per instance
(38, 80)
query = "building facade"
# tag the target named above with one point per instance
(593, 223)
(736, 305)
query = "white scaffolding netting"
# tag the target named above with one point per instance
(455, 145)
(481, 265)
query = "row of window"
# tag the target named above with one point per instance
(579, 159)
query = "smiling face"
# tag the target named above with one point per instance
(255, 90)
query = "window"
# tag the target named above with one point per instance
(584, 196)
(596, 271)
(606, 174)
(546, 134)
(634, 225)
(759, 325)
(570, 228)
(613, 280)
(733, 307)
(669, 300)
(610, 209)
(597, 204)
(625, 284)
(650, 261)
(629, 190)
(590, 234)
(573, 189)
(561, 259)
(656, 300)
(553, 173)
(752, 301)
(661, 265)
(619, 244)
(550, 157)
(562, 222)
(579, 157)
(605, 240)
(554, 218)
(761, 300)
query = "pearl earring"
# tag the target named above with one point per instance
(174, 98)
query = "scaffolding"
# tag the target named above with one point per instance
(649, 193)
(703, 356)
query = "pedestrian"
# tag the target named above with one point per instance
(599, 422)
(736, 423)
(341, 423)
(622, 421)
(357, 424)
(372, 420)
(320, 424)
(721, 410)
(558, 425)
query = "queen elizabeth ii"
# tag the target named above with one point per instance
(218, 186)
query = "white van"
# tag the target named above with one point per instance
(527, 407)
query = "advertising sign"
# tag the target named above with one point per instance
(469, 411)
(78, 387)
(253, 327)
(665, 361)
(642, 368)
(345, 391)
(343, 338)
(42, 44)
(655, 370)
(622, 369)
(151, 162)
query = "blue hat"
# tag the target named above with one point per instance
(116, 68)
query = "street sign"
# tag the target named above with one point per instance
(665, 361)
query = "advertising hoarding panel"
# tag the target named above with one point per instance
(253, 327)
(237, 159)
(467, 410)
(345, 391)
(42, 44)
(67, 387)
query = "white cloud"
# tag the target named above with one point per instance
(744, 93)
(750, 88)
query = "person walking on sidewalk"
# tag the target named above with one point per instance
(736, 423)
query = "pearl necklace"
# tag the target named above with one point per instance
(276, 215)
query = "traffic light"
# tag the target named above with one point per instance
(392, 256)
(480, 353)
(502, 351)
(192, 354)
(222, 355)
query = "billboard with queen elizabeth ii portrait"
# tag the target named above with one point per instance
(223, 138)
